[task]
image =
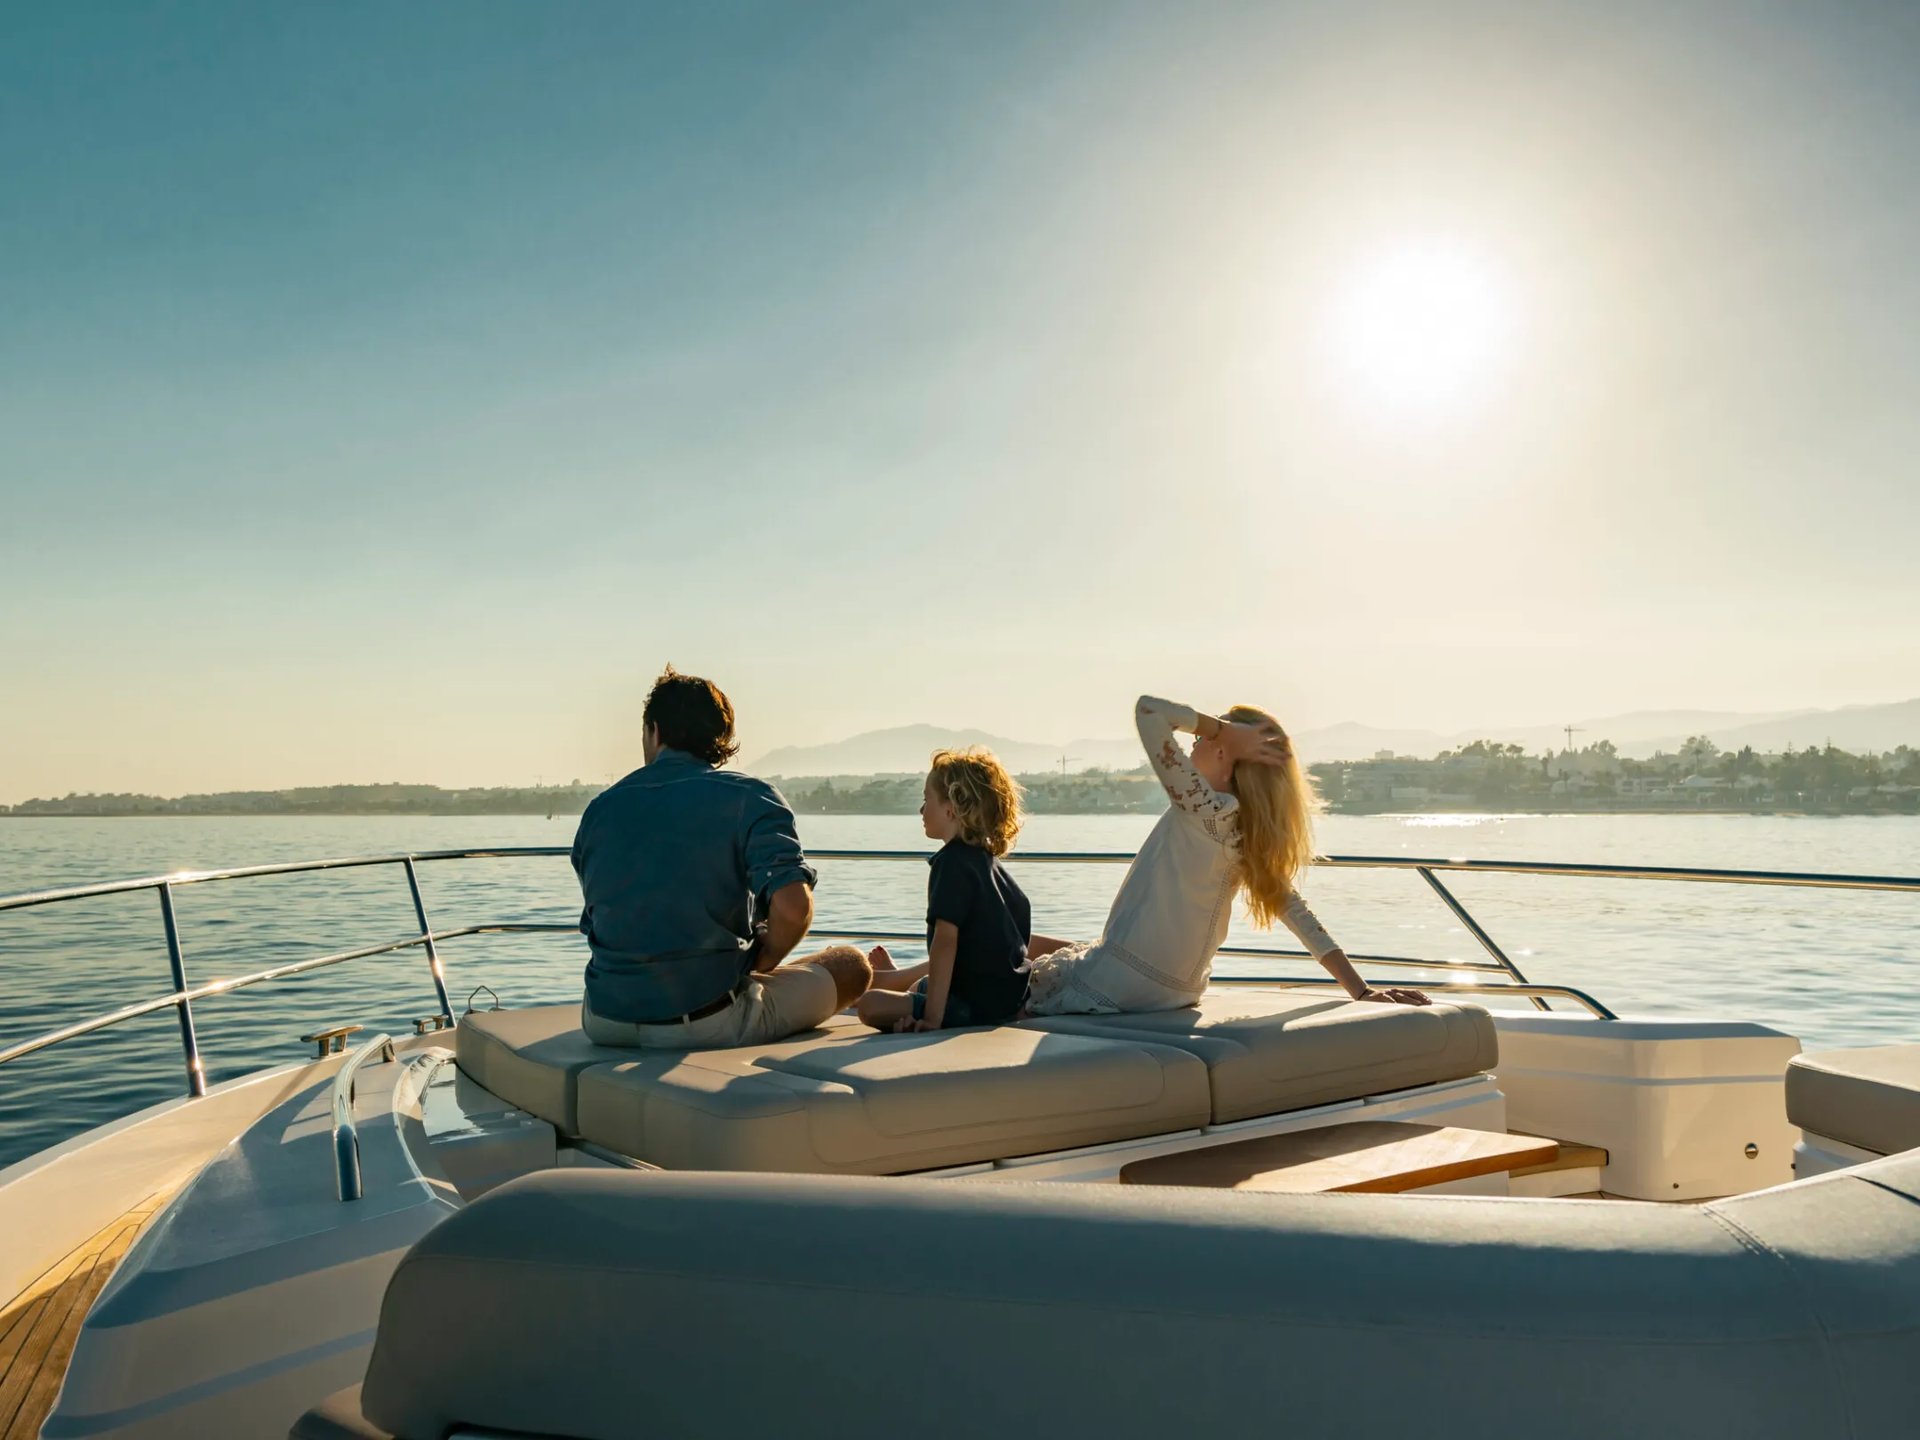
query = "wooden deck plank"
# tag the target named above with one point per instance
(44, 1387)
(19, 1320)
(28, 1302)
(1363, 1157)
(27, 1361)
(27, 1306)
(41, 1326)
(60, 1310)
(12, 1318)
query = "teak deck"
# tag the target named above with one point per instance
(1366, 1157)
(39, 1326)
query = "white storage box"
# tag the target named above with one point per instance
(1678, 1104)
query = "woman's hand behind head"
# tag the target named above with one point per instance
(1255, 742)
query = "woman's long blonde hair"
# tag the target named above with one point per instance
(1277, 806)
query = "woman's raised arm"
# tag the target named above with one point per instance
(1157, 721)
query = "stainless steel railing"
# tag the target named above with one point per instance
(346, 1132)
(1496, 976)
(183, 995)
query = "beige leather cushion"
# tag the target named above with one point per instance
(849, 1101)
(531, 1058)
(1271, 1051)
(1867, 1098)
(600, 1305)
(338, 1417)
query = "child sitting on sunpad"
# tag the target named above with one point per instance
(978, 921)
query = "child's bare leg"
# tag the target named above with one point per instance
(889, 976)
(883, 1009)
(901, 978)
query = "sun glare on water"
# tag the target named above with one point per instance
(1422, 330)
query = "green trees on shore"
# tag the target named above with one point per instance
(1484, 775)
(1488, 774)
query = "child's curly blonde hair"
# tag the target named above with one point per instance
(985, 799)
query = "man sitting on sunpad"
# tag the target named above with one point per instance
(696, 890)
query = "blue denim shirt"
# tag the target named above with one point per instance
(675, 863)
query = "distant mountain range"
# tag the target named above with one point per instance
(1639, 733)
(905, 749)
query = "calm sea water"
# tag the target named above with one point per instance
(1831, 967)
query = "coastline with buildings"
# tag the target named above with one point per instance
(1699, 777)
(1482, 777)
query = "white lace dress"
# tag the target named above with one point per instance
(1174, 905)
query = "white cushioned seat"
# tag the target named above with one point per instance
(531, 1057)
(849, 1101)
(1270, 1051)
(1867, 1098)
(338, 1417)
(843, 1100)
(705, 1304)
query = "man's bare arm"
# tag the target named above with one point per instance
(789, 913)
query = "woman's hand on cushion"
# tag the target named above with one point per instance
(1395, 997)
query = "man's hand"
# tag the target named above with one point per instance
(789, 913)
(911, 1026)
(1395, 997)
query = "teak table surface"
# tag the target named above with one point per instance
(1363, 1157)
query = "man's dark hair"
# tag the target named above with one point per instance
(693, 715)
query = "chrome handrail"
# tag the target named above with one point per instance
(1437, 987)
(218, 987)
(183, 994)
(346, 1133)
(1254, 952)
(1812, 879)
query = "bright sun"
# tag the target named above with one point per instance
(1422, 330)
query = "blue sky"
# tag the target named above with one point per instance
(387, 391)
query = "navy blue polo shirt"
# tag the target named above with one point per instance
(675, 862)
(972, 889)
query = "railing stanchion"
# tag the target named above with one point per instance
(1475, 929)
(189, 1042)
(433, 952)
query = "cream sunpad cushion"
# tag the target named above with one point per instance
(701, 1305)
(1868, 1098)
(338, 1417)
(1270, 1051)
(850, 1101)
(531, 1058)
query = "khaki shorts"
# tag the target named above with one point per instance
(773, 1006)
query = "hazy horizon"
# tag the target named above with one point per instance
(1637, 735)
(391, 392)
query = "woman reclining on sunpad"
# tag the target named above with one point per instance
(1240, 822)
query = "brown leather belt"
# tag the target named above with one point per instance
(712, 1007)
